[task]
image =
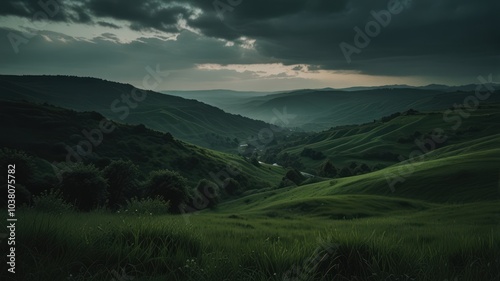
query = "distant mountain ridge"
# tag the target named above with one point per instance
(321, 109)
(440, 87)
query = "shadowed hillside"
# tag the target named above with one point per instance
(188, 120)
(53, 134)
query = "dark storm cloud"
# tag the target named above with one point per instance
(106, 57)
(46, 10)
(108, 24)
(426, 37)
(443, 35)
(158, 15)
(81, 14)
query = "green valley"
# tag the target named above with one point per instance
(413, 195)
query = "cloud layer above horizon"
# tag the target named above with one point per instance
(254, 44)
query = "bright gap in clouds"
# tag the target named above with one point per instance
(83, 31)
(308, 76)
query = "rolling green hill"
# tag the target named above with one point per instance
(465, 178)
(53, 133)
(456, 180)
(188, 120)
(392, 139)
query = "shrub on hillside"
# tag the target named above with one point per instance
(345, 172)
(295, 176)
(313, 154)
(84, 187)
(390, 117)
(44, 182)
(122, 181)
(328, 170)
(25, 168)
(51, 201)
(254, 161)
(169, 186)
(167, 137)
(207, 194)
(286, 183)
(232, 186)
(290, 160)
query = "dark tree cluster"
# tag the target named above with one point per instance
(390, 117)
(312, 154)
(215, 140)
(328, 170)
(409, 112)
(295, 176)
(112, 184)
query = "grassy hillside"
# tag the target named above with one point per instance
(392, 139)
(417, 241)
(470, 177)
(188, 120)
(49, 132)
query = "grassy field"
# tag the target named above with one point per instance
(419, 241)
(434, 226)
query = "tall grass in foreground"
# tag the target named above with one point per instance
(105, 246)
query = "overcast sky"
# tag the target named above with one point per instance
(260, 45)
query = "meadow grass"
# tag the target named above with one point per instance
(439, 242)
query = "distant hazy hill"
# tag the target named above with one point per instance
(439, 87)
(189, 120)
(218, 98)
(322, 109)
